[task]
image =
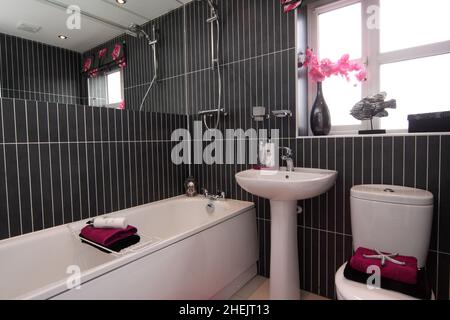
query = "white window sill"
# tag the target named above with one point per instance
(388, 134)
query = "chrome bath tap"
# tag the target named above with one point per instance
(219, 196)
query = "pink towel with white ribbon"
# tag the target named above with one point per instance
(290, 5)
(402, 269)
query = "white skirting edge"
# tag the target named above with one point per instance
(237, 284)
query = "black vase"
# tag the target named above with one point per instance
(320, 114)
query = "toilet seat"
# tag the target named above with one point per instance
(351, 290)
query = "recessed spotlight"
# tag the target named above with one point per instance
(62, 37)
(121, 1)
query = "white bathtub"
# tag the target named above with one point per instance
(186, 252)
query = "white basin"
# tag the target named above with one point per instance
(284, 189)
(282, 185)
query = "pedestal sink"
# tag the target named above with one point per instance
(284, 189)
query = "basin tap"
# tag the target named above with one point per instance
(288, 158)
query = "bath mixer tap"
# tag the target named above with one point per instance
(288, 158)
(219, 196)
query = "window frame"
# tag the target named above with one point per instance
(105, 77)
(371, 56)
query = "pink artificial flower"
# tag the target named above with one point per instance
(310, 58)
(361, 75)
(344, 59)
(328, 67)
(121, 105)
(316, 74)
(320, 70)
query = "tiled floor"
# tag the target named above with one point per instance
(258, 289)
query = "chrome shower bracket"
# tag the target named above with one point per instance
(282, 113)
(214, 19)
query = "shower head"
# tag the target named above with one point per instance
(138, 31)
(135, 30)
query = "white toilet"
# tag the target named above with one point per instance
(390, 219)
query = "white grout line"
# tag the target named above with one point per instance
(404, 159)
(88, 185)
(415, 162)
(18, 170)
(70, 164)
(40, 166)
(29, 169)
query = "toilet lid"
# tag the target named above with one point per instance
(351, 290)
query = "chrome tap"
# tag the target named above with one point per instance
(219, 196)
(288, 158)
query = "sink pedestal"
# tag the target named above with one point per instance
(284, 189)
(284, 271)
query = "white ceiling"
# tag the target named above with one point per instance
(52, 19)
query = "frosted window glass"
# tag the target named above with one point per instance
(339, 32)
(419, 86)
(114, 87)
(341, 95)
(411, 23)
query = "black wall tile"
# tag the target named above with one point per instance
(421, 162)
(434, 169)
(444, 213)
(367, 160)
(38, 72)
(72, 123)
(443, 276)
(47, 186)
(4, 214)
(399, 160)
(348, 180)
(24, 189)
(53, 122)
(377, 161)
(66, 183)
(106, 177)
(387, 145)
(92, 179)
(13, 187)
(9, 123)
(57, 185)
(410, 165)
(32, 121)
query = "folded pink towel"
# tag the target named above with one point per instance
(406, 273)
(106, 237)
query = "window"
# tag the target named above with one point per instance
(405, 45)
(106, 89)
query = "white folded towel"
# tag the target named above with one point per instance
(114, 223)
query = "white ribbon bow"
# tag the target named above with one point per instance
(383, 257)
